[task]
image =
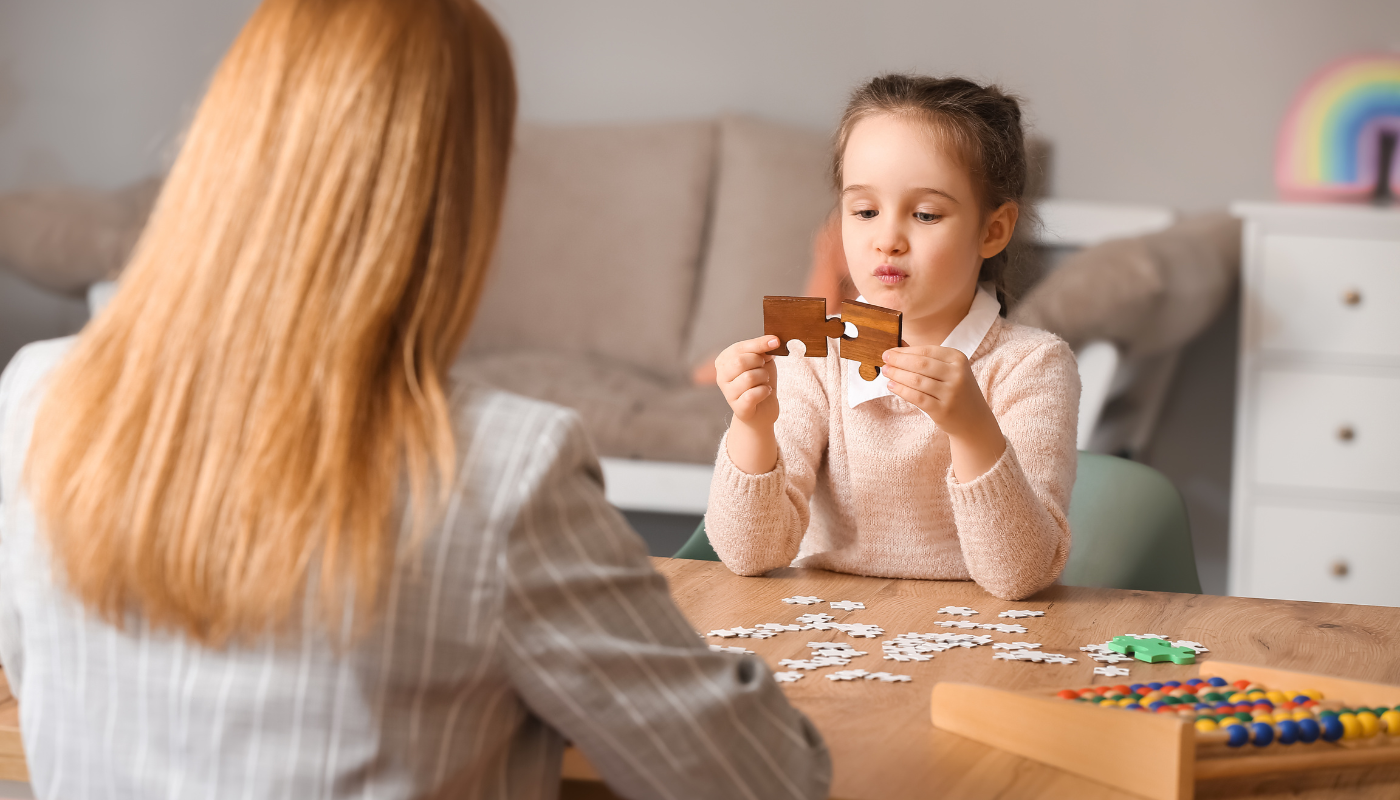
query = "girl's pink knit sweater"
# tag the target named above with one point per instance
(870, 490)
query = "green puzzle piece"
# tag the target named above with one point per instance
(1152, 650)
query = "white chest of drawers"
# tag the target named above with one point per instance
(1315, 500)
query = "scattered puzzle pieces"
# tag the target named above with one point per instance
(787, 677)
(961, 611)
(886, 677)
(1152, 650)
(1112, 672)
(847, 675)
(847, 605)
(1021, 614)
(1197, 646)
(737, 650)
(803, 600)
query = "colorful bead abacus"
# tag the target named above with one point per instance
(1240, 713)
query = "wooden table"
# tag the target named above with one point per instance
(882, 741)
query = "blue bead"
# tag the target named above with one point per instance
(1132, 707)
(1154, 705)
(1263, 733)
(1308, 731)
(1154, 686)
(1171, 684)
(1218, 682)
(1238, 735)
(1202, 707)
(1137, 688)
(1332, 729)
(1261, 702)
(1287, 731)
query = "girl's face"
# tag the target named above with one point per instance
(912, 226)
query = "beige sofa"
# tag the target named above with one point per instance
(629, 254)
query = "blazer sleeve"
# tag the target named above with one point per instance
(598, 649)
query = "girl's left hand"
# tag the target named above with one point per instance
(939, 380)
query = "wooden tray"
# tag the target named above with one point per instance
(1153, 755)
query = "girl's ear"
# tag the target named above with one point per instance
(996, 233)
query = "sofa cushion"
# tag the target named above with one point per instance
(628, 412)
(772, 192)
(600, 243)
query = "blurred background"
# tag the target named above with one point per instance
(1149, 114)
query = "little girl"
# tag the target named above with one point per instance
(958, 460)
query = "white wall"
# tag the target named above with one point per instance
(1174, 103)
(1169, 103)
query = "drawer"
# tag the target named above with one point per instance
(1327, 431)
(1327, 295)
(1324, 555)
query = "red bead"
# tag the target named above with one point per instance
(1068, 694)
(1167, 709)
(1240, 685)
(1102, 690)
(1122, 689)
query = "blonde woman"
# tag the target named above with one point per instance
(255, 546)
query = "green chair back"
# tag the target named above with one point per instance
(698, 548)
(1128, 522)
(1130, 529)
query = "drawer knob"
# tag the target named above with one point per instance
(1340, 569)
(1352, 297)
(1346, 433)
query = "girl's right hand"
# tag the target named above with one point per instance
(748, 377)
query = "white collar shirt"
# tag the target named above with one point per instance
(966, 338)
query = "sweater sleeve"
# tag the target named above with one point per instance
(756, 522)
(1012, 521)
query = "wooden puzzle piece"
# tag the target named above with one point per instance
(801, 318)
(877, 330)
(804, 318)
(1152, 650)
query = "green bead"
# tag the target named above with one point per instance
(1326, 713)
(1243, 716)
(1189, 698)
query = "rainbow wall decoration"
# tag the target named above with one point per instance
(1331, 144)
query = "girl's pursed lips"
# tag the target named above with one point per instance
(888, 274)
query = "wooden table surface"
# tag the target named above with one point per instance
(882, 741)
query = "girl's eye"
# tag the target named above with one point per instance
(867, 213)
(924, 216)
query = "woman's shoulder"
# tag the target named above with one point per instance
(482, 410)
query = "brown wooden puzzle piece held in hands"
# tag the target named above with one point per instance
(877, 330)
(801, 318)
(804, 318)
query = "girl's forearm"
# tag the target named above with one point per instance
(753, 449)
(976, 451)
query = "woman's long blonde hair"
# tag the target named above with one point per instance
(238, 424)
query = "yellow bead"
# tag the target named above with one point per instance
(1370, 724)
(1314, 694)
(1255, 695)
(1228, 721)
(1276, 697)
(1263, 717)
(1351, 729)
(1125, 701)
(1238, 697)
(1301, 714)
(1206, 725)
(1391, 720)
